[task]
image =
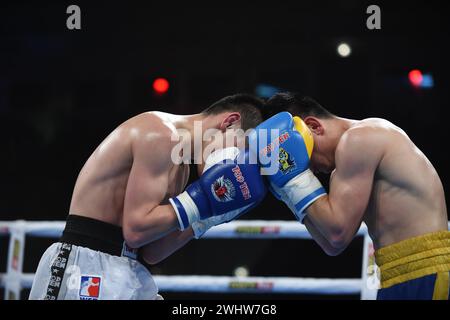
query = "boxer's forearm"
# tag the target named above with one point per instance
(320, 239)
(330, 222)
(160, 249)
(140, 229)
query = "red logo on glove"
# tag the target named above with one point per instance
(272, 146)
(223, 189)
(243, 185)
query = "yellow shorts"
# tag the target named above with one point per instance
(416, 268)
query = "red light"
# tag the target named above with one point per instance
(161, 85)
(415, 77)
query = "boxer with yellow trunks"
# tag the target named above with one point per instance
(378, 176)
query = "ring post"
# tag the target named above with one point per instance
(369, 274)
(15, 260)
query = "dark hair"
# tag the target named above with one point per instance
(296, 104)
(249, 107)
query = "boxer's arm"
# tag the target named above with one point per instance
(145, 220)
(338, 216)
(160, 249)
(320, 239)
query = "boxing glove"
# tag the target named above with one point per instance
(228, 188)
(285, 143)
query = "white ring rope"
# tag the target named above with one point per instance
(259, 284)
(248, 229)
(223, 284)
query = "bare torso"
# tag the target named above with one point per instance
(407, 197)
(101, 185)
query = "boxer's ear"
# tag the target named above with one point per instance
(232, 118)
(315, 125)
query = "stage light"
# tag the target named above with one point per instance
(427, 81)
(415, 77)
(266, 90)
(161, 85)
(344, 50)
(241, 272)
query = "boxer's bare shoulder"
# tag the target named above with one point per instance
(365, 140)
(146, 137)
(373, 136)
(404, 182)
(142, 145)
(153, 134)
(154, 137)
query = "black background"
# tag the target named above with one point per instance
(62, 92)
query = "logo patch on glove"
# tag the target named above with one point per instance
(242, 184)
(273, 146)
(287, 164)
(223, 189)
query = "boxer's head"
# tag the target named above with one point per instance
(319, 120)
(228, 119)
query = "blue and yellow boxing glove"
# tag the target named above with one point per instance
(283, 145)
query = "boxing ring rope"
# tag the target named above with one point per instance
(14, 279)
(224, 284)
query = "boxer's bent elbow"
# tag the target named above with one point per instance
(338, 241)
(331, 248)
(332, 251)
(134, 241)
(151, 261)
(136, 230)
(133, 238)
(151, 257)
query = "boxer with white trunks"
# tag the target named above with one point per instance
(128, 203)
